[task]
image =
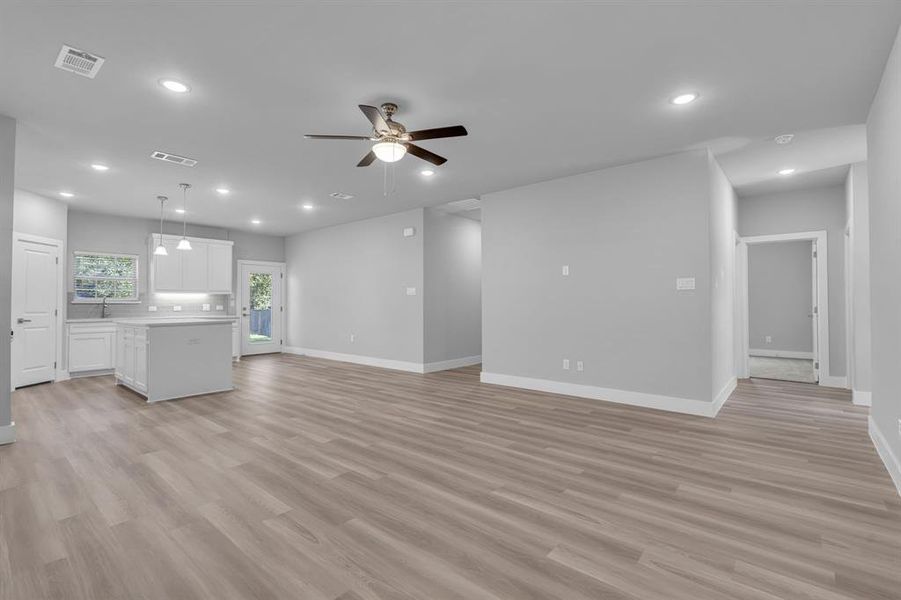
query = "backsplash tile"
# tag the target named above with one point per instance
(191, 304)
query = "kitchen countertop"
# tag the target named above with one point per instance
(174, 321)
(168, 319)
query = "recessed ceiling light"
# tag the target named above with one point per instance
(222, 191)
(67, 194)
(255, 221)
(180, 211)
(785, 138)
(685, 98)
(786, 171)
(175, 86)
(307, 206)
(427, 172)
(99, 167)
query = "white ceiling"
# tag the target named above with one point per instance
(545, 89)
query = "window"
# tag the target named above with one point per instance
(110, 276)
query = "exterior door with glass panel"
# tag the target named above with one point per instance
(262, 307)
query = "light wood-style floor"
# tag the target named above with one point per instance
(321, 480)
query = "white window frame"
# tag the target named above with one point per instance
(137, 278)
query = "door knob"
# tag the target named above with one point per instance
(20, 320)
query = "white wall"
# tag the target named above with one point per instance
(721, 232)
(626, 234)
(858, 213)
(352, 279)
(40, 216)
(812, 209)
(452, 289)
(780, 294)
(884, 166)
(7, 178)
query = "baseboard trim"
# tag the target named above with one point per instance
(780, 353)
(885, 453)
(862, 398)
(668, 403)
(833, 381)
(454, 363)
(8, 433)
(720, 399)
(369, 361)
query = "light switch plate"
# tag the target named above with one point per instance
(565, 270)
(353, 338)
(177, 308)
(685, 283)
(409, 231)
(205, 308)
(580, 366)
(151, 309)
(566, 364)
(768, 339)
(411, 291)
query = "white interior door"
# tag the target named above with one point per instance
(262, 307)
(815, 311)
(35, 298)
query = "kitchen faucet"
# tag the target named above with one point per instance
(103, 309)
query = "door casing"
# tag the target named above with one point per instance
(279, 314)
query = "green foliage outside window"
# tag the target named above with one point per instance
(260, 291)
(100, 276)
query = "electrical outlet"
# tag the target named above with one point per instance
(566, 364)
(205, 308)
(220, 307)
(899, 426)
(565, 270)
(353, 338)
(411, 291)
(580, 366)
(151, 309)
(177, 308)
(768, 339)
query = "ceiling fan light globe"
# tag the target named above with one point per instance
(389, 151)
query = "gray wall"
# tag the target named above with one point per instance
(7, 177)
(858, 213)
(109, 233)
(452, 288)
(780, 295)
(352, 279)
(722, 232)
(808, 210)
(884, 165)
(626, 233)
(37, 215)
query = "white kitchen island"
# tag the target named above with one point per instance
(165, 359)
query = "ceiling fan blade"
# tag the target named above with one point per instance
(425, 155)
(375, 117)
(311, 136)
(438, 132)
(367, 160)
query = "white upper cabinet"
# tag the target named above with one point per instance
(206, 268)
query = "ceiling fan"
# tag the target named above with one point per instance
(392, 140)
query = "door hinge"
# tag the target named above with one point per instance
(816, 365)
(816, 310)
(281, 342)
(281, 309)
(57, 259)
(55, 312)
(54, 364)
(814, 253)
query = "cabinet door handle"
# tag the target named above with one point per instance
(20, 320)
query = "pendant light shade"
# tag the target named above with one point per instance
(160, 250)
(184, 243)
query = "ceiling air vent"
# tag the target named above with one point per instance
(78, 62)
(174, 159)
(340, 196)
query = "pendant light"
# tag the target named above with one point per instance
(160, 250)
(184, 244)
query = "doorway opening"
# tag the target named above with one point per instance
(783, 307)
(261, 299)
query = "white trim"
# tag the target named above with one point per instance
(454, 363)
(780, 353)
(720, 399)
(61, 286)
(833, 381)
(885, 453)
(861, 398)
(822, 350)
(370, 361)
(669, 403)
(8, 433)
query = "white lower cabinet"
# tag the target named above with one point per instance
(91, 347)
(131, 357)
